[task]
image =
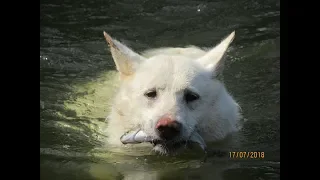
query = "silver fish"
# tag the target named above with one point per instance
(135, 137)
(138, 136)
(195, 137)
(198, 139)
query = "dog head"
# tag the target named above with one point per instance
(168, 95)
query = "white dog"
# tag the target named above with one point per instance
(173, 95)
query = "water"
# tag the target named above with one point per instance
(75, 83)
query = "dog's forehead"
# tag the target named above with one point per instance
(173, 64)
(178, 72)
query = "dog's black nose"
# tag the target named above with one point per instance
(168, 128)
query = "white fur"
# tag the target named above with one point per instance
(172, 70)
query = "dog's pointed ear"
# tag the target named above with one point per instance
(214, 58)
(126, 60)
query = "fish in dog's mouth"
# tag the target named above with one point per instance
(138, 136)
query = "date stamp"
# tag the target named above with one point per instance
(246, 154)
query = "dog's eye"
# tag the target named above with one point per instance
(190, 96)
(151, 93)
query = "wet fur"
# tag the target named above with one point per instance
(172, 70)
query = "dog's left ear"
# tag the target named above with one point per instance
(214, 59)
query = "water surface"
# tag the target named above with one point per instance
(76, 73)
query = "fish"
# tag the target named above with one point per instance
(196, 138)
(135, 137)
(138, 136)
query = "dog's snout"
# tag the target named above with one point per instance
(168, 128)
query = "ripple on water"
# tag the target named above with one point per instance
(75, 84)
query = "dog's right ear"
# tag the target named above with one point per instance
(126, 60)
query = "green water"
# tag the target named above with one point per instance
(76, 83)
